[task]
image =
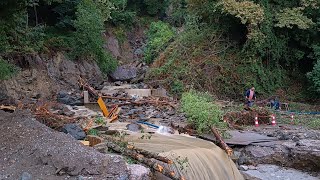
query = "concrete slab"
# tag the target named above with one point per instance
(114, 89)
(159, 92)
(246, 138)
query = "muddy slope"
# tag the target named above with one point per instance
(28, 146)
(42, 76)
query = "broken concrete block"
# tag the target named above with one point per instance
(139, 92)
(85, 97)
(110, 90)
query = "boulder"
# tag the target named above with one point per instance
(66, 98)
(123, 73)
(74, 130)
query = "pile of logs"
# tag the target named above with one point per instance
(152, 160)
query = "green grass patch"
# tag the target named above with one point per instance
(202, 111)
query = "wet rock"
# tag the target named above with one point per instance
(66, 98)
(123, 73)
(252, 167)
(138, 172)
(74, 130)
(134, 127)
(258, 151)
(26, 176)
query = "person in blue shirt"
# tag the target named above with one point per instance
(275, 103)
(250, 97)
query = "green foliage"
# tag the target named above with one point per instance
(155, 6)
(289, 17)
(6, 69)
(159, 36)
(314, 75)
(93, 132)
(247, 11)
(120, 14)
(88, 41)
(201, 111)
(177, 87)
(100, 120)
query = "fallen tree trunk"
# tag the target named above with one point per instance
(147, 154)
(150, 162)
(222, 144)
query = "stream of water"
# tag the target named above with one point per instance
(194, 159)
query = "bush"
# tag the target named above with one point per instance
(201, 111)
(159, 36)
(314, 77)
(6, 69)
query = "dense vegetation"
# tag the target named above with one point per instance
(227, 45)
(220, 46)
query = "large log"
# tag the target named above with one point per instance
(153, 163)
(221, 142)
(147, 154)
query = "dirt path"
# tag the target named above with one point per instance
(32, 148)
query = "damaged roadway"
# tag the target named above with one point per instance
(31, 149)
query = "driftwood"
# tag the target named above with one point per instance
(52, 120)
(222, 144)
(86, 86)
(149, 154)
(7, 108)
(153, 163)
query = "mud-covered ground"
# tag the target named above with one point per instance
(31, 149)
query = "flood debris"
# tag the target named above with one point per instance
(151, 160)
(7, 108)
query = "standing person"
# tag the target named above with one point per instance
(250, 97)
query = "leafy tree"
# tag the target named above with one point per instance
(88, 41)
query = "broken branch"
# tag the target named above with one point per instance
(157, 165)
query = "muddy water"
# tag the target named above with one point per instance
(205, 160)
